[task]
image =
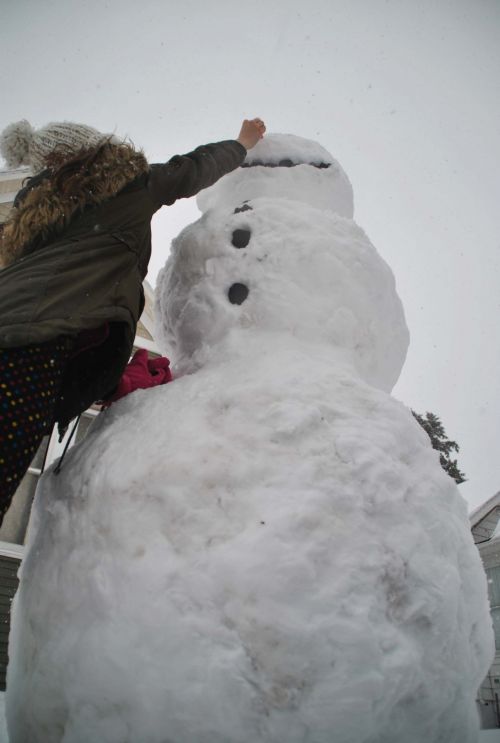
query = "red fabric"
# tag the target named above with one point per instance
(141, 373)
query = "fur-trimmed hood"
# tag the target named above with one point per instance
(42, 210)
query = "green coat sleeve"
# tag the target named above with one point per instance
(185, 175)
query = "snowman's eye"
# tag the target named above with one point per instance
(237, 293)
(240, 238)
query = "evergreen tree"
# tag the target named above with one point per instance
(435, 431)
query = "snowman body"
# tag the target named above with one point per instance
(266, 549)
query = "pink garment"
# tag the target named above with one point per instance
(140, 373)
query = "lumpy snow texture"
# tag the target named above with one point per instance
(323, 188)
(310, 274)
(266, 549)
(275, 148)
(260, 551)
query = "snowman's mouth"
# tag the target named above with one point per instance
(281, 164)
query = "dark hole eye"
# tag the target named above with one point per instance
(240, 238)
(237, 293)
(244, 208)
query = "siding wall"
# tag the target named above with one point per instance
(8, 586)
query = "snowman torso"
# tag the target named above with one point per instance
(266, 549)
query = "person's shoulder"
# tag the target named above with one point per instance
(138, 184)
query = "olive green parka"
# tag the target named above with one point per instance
(85, 262)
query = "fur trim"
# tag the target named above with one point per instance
(15, 142)
(44, 212)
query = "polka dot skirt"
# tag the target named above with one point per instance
(30, 379)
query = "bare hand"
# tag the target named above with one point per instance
(251, 131)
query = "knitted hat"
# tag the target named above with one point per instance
(20, 144)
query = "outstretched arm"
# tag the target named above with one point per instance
(185, 175)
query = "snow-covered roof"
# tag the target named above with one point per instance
(484, 520)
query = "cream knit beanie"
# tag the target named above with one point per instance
(20, 144)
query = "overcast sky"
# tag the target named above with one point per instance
(404, 93)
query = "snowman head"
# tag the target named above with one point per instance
(287, 167)
(274, 267)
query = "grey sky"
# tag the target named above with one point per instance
(403, 93)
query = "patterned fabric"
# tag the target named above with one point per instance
(30, 379)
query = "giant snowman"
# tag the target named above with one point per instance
(266, 549)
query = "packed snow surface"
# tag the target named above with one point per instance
(277, 148)
(310, 274)
(323, 188)
(266, 549)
